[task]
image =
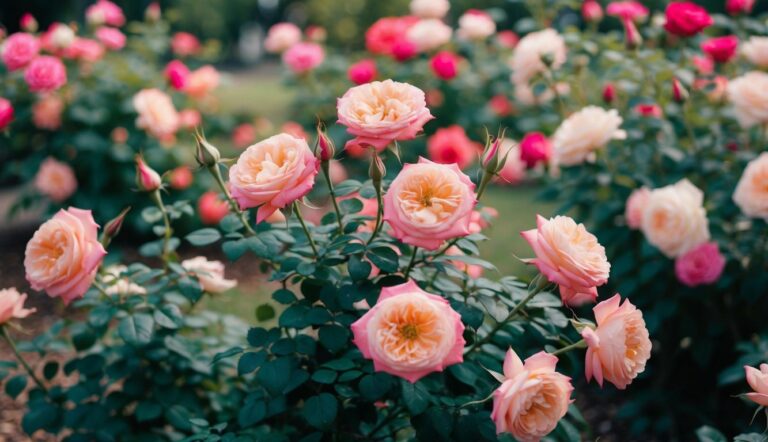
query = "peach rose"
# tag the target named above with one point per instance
(751, 194)
(568, 255)
(12, 305)
(674, 219)
(190, 118)
(584, 132)
(381, 112)
(64, 254)
(451, 145)
(201, 82)
(476, 25)
(428, 203)
(756, 51)
(410, 333)
(619, 347)
(429, 34)
(46, 113)
(156, 113)
(273, 173)
(636, 203)
(749, 96)
(430, 8)
(210, 274)
(281, 37)
(758, 381)
(56, 180)
(526, 60)
(532, 398)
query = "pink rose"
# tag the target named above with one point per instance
(210, 274)
(701, 265)
(704, 65)
(112, 38)
(273, 173)
(45, 74)
(58, 37)
(533, 397)
(147, 179)
(428, 203)
(410, 333)
(19, 50)
(337, 171)
(627, 10)
(591, 11)
(184, 44)
(180, 178)
(6, 113)
(104, 12)
(451, 145)
(12, 305)
(735, 7)
(201, 82)
(64, 254)
(364, 71)
(243, 135)
(721, 49)
(56, 180)
(28, 23)
(445, 65)
(156, 113)
(85, 49)
(46, 113)
(635, 207)
(758, 381)
(211, 209)
(686, 19)
(386, 33)
(190, 118)
(535, 148)
(176, 72)
(648, 110)
(568, 255)
(381, 112)
(281, 37)
(303, 57)
(619, 347)
(501, 106)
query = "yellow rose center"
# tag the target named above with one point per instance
(430, 196)
(411, 331)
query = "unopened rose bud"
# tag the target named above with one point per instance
(207, 154)
(490, 157)
(632, 37)
(591, 11)
(113, 227)
(147, 179)
(28, 23)
(679, 92)
(377, 171)
(609, 93)
(325, 150)
(152, 13)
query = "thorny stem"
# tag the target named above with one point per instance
(23, 362)
(411, 263)
(167, 222)
(332, 193)
(304, 227)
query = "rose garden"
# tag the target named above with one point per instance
(425, 220)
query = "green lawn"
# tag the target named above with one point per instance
(255, 93)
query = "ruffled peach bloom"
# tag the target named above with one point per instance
(381, 112)
(584, 132)
(429, 34)
(46, 113)
(430, 8)
(56, 180)
(12, 305)
(476, 25)
(282, 37)
(156, 113)
(428, 203)
(636, 203)
(749, 96)
(64, 254)
(533, 397)
(674, 219)
(758, 381)
(410, 333)
(513, 170)
(751, 194)
(273, 173)
(619, 347)
(568, 255)
(210, 274)
(755, 50)
(526, 61)
(202, 82)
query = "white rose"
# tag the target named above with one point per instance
(209, 273)
(429, 34)
(751, 193)
(756, 51)
(749, 96)
(584, 132)
(476, 25)
(526, 61)
(430, 8)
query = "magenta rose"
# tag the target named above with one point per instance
(19, 50)
(701, 265)
(686, 19)
(364, 71)
(6, 113)
(721, 49)
(535, 148)
(45, 74)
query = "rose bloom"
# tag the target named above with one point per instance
(535, 148)
(526, 60)
(428, 203)
(211, 209)
(749, 96)
(619, 347)
(117, 284)
(184, 44)
(303, 57)
(156, 113)
(12, 305)
(210, 274)
(410, 333)
(609, 93)
(381, 112)
(111, 38)
(58, 36)
(532, 398)
(513, 170)
(758, 381)
(751, 194)
(451, 145)
(445, 65)
(430, 8)
(45, 74)
(569, 256)
(591, 11)
(627, 10)
(181, 178)
(176, 72)
(507, 39)
(104, 12)
(295, 129)
(501, 106)
(85, 49)
(704, 65)
(272, 174)
(584, 132)
(19, 50)
(715, 93)
(429, 34)
(756, 51)
(476, 25)
(735, 7)
(648, 110)
(28, 23)
(382, 37)
(56, 180)
(46, 112)
(674, 219)
(243, 135)
(202, 81)
(64, 254)
(721, 49)
(364, 71)
(282, 36)
(701, 265)
(686, 19)
(635, 207)
(6, 113)
(190, 118)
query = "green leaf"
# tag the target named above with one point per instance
(249, 362)
(275, 375)
(136, 329)
(226, 354)
(375, 386)
(15, 385)
(41, 415)
(234, 249)
(324, 376)
(50, 369)
(358, 269)
(384, 258)
(320, 411)
(251, 413)
(168, 316)
(709, 434)
(203, 237)
(294, 316)
(148, 410)
(416, 398)
(333, 337)
(265, 312)
(179, 417)
(351, 205)
(257, 337)
(284, 296)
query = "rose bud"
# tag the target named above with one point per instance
(325, 150)
(207, 154)
(609, 93)
(632, 37)
(364, 71)
(679, 92)
(591, 11)
(146, 179)
(28, 23)
(113, 227)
